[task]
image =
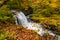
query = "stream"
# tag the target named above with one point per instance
(21, 19)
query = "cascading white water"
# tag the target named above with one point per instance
(22, 19)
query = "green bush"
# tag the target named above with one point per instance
(6, 15)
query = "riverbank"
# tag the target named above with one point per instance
(13, 32)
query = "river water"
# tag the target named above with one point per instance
(38, 28)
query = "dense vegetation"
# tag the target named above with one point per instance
(45, 12)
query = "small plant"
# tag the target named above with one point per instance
(3, 36)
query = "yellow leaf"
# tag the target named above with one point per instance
(54, 5)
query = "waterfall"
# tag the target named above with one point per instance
(22, 19)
